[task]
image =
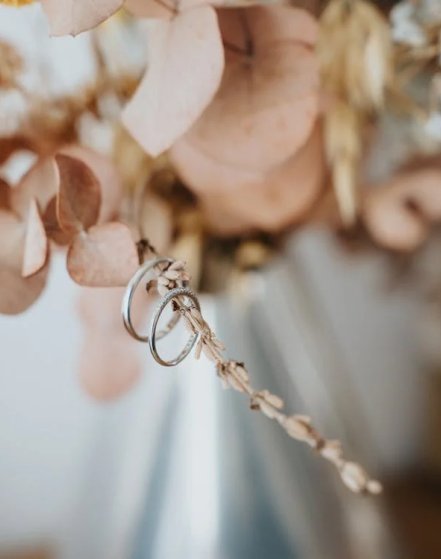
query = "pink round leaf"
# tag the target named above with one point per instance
(109, 365)
(152, 9)
(70, 17)
(184, 72)
(272, 203)
(398, 213)
(104, 256)
(268, 101)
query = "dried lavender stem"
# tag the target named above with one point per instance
(235, 375)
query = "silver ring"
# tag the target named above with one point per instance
(128, 297)
(172, 294)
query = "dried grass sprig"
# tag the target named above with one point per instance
(11, 64)
(356, 60)
(234, 374)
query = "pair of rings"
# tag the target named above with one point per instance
(156, 335)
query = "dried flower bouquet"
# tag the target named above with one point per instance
(249, 118)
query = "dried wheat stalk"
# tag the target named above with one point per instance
(16, 3)
(355, 54)
(234, 374)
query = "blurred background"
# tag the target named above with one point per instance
(179, 468)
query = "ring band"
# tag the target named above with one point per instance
(172, 294)
(128, 297)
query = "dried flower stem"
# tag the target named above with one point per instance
(234, 374)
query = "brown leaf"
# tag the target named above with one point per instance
(35, 243)
(108, 177)
(185, 68)
(79, 198)
(52, 227)
(11, 144)
(5, 194)
(11, 234)
(105, 256)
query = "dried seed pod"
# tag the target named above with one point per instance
(269, 404)
(298, 427)
(332, 451)
(233, 375)
(356, 478)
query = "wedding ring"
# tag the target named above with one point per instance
(128, 297)
(172, 294)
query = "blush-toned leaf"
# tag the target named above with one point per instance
(100, 309)
(268, 101)
(16, 293)
(79, 198)
(35, 243)
(265, 25)
(167, 9)
(185, 69)
(109, 363)
(236, 202)
(105, 256)
(108, 177)
(153, 9)
(398, 213)
(70, 17)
